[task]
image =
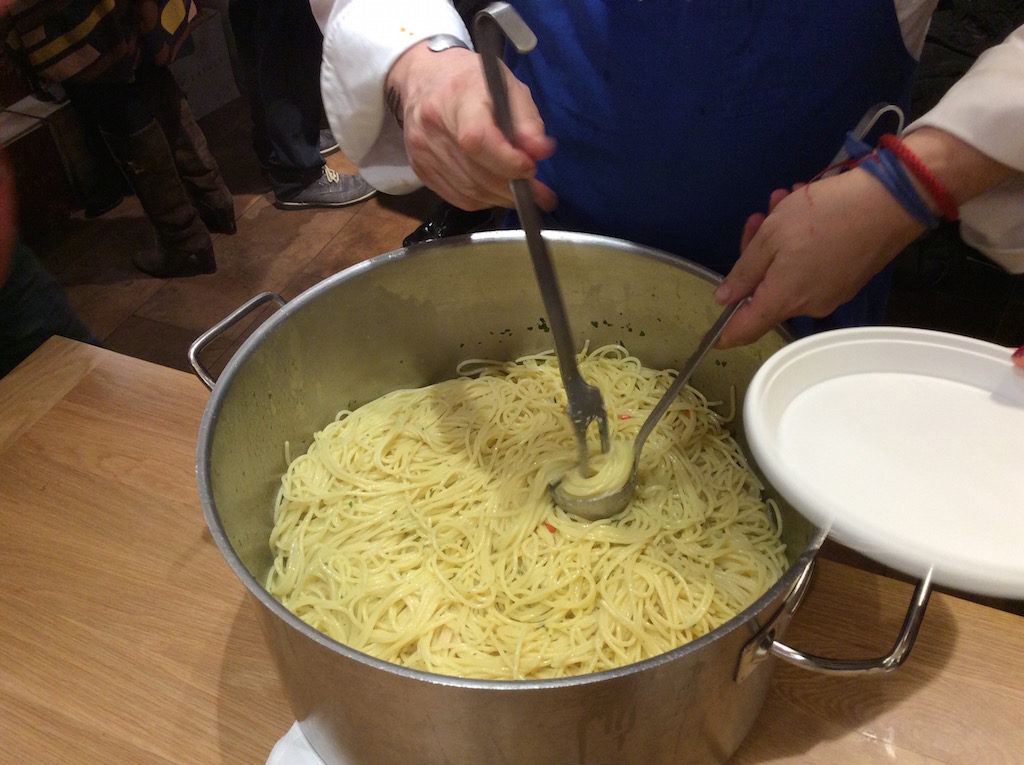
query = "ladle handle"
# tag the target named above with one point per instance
(491, 27)
(705, 345)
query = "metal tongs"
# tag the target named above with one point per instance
(491, 26)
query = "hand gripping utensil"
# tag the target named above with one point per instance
(492, 26)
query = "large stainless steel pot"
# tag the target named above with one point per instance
(407, 318)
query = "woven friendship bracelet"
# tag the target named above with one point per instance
(947, 205)
(888, 170)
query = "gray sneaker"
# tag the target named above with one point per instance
(332, 189)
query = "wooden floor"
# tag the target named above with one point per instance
(273, 250)
(288, 251)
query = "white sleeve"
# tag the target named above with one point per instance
(985, 108)
(362, 39)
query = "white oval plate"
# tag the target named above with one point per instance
(907, 444)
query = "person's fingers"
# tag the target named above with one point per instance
(775, 197)
(468, 185)
(443, 167)
(466, 189)
(751, 267)
(546, 199)
(750, 322)
(478, 135)
(480, 139)
(529, 133)
(750, 228)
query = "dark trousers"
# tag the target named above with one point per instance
(123, 108)
(279, 47)
(32, 309)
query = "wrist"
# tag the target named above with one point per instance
(924, 184)
(877, 204)
(960, 168)
(420, 57)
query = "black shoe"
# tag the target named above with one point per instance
(449, 220)
(331, 189)
(327, 144)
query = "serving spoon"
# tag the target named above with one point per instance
(594, 507)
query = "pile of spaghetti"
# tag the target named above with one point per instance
(418, 528)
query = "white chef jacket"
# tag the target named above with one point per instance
(986, 109)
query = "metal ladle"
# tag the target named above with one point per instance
(596, 507)
(491, 26)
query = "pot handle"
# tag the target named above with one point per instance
(232, 318)
(766, 642)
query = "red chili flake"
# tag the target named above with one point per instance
(687, 414)
(625, 416)
(549, 527)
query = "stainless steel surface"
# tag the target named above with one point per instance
(606, 505)
(196, 349)
(758, 650)
(407, 318)
(492, 25)
(766, 643)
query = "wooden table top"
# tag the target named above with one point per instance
(125, 637)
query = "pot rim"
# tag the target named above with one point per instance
(257, 590)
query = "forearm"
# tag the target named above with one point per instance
(963, 170)
(973, 142)
(985, 108)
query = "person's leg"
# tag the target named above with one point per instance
(196, 165)
(106, 184)
(243, 15)
(125, 117)
(33, 308)
(287, 49)
(288, 46)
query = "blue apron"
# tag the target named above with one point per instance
(675, 119)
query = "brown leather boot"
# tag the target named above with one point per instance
(196, 165)
(184, 247)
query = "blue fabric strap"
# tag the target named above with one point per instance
(887, 168)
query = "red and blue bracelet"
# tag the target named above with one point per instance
(886, 167)
(947, 205)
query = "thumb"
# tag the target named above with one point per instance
(750, 322)
(750, 228)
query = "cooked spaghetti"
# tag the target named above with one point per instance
(418, 528)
